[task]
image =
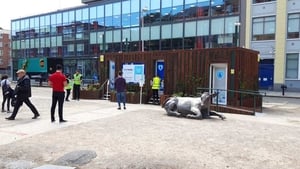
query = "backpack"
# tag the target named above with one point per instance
(7, 90)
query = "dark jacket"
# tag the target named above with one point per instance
(120, 84)
(23, 88)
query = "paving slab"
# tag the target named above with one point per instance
(54, 167)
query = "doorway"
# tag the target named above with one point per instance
(218, 82)
(160, 72)
(112, 74)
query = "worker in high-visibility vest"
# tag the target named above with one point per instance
(155, 88)
(69, 86)
(77, 79)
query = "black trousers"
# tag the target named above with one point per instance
(6, 98)
(57, 97)
(155, 94)
(76, 89)
(19, 103)
(68, 93)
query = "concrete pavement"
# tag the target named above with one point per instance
(75, 112)
(82, 111)
(142, 136)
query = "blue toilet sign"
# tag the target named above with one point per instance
(220, 74)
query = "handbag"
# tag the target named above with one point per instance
(9, 92)
(13, 101)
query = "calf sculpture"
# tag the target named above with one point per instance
(198, 107)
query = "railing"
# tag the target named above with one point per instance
(237, 98)
(102, 87)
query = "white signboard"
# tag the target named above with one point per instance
(134, 73)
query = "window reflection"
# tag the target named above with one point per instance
(152, 16)
(166, 14)
(227, 7)
(126, 20)
(75, 32)
(135, 19)
(177, 13)
(117, 15)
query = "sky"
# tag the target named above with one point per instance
(14, 9)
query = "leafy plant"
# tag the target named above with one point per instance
(189, 86)
(132, 87)
(94, 87)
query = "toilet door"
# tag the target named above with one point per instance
(218, 82)
(112, 74)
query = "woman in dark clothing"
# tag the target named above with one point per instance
(7, 92)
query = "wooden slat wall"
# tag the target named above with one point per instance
(180, 64)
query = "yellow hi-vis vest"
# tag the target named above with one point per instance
(156, 83)
(77, 79)
(70, 84)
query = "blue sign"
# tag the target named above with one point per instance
(160, 69)
(220, 74)
(139, 69)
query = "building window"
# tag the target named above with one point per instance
(194, 9)
(263, 28)
(262, 1)
(1, 53)
(293, 26)
(292, 66)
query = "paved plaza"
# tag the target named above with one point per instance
(142, 136)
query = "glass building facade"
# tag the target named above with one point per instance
(79, 35)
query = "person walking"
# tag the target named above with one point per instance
(155, 88)
(23, 93)
(58, 81)
(76, 87)
(7, 92)
(120, 86)
(68, 87)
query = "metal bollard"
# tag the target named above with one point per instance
(283, 88)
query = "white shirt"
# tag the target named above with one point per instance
(3, 82)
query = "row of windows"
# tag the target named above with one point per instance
(126, 14)
(264, 27)
(219, 26)
(87, 49)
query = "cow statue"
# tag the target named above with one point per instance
(194, 107)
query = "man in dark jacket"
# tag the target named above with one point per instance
(23, 92)
(120, 85)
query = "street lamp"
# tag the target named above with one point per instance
(236, 35)
(125, 41)
(145, 9)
